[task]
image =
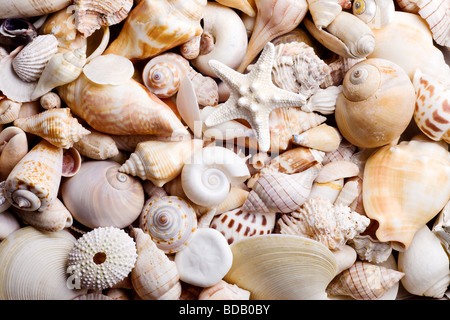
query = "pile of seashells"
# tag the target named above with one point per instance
(229, 149)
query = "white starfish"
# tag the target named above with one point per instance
(253, 96)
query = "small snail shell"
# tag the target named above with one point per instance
(376, 104)
(170, 221)
(375, 13)
(207, 177)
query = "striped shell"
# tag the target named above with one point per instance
(170, 221)
(33, 58)
(364, 281)
(432, 111)
(436, 13)
(101, 258)
(57, 126)
(236, 224)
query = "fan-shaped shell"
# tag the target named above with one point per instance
(170, 221)
(435, 12)
(33, 266)
(279, 266)
(97, 146)
(100, 196)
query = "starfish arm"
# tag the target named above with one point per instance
(224, 112)
(284, 98)
(262, 70)
(228, 75)
(261, 130)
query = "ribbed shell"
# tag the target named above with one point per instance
(436, 13)
(170, 221)
(57, 126)
(101, 258)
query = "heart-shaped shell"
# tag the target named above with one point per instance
(282, 267)
(100, 196)
(170, 221)
(30, 258)
(376, 104)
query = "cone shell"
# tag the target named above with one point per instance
(170, 221)
(404, 187)
(34, 182)
(282, 267)
(29, 258)
(57, 126)
(160, 161)
(154, 276)
(122, 195)
(364, 281)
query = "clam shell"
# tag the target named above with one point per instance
(282, 267)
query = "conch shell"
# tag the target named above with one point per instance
(156, 26)
(404, 187)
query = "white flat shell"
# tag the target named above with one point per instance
(109, 69)
(206, 259)
(187, 105)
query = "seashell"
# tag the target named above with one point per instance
(323, 101)
(8, 224)
(350, 191)
(191, 48)
(235, 199)
(337, 170)
(364, 281)
(282, 267)
(369, 249)
(431, 113)
(97, 146)
(62, 69)
(17, 8)
(408, 35)
(425, 264)
(280, 192)
(376, 104)
(124, 195)
(9, 110)
(209, 173)
(436, 15)
(205, 260)
(34, 182)
(43, 255)
(101, 258)
(338, 69)
(71, 162)
(375, 13)
(160, 161)
(50, 100)
(170, 221)
(273, 18)
(260, 160)
(323, 138)
(13, 147)
(441, 227)
(236, 224)
(98, 69)
(57, 126)
(345, 151)
(346, 35)
(223, 291)
(125, 109)
(93, 296)
(323, 12)
(228, 39)
(410, 6)
(246, 6)
(327, 190)
(298, 69)
(320, 220)
(156, 26)
(16, 31)
(154, 276)
(398, 211)
(92, 15)
(345, 257)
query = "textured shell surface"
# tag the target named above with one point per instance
(101, 258)
(441, 227)
(97, 146)
(30, 8)
(280, 266)
(432, 111)
(13, 146)
(436, 14)
(170, 221)
(369, 249)
(236, 224)
(33, 58)
(223, 291)
(29, 258)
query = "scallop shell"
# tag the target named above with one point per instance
(170, 221)
(91, 15)
(404, 187)
(282, 267)
(375, 13)
(160, 161)
(320, 220)
(57, 126)
(436, 13)
(34, 57)
(154, 276)
(364, 281)
(432, 111)
(122, 195)
(101, 258)
(30, 258)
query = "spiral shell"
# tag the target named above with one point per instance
(170, 221)
(100, 196)
(375, 13)
(210, 172)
